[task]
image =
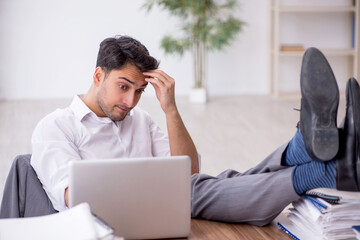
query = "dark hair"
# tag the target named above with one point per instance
(117, 51)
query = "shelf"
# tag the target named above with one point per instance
(285, 55)
(327, 52)
(310, 9)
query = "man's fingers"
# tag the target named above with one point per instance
(161, 81)
(151, 74)
(160, 75)
(165, 88)
(155, 80)
(156, 73)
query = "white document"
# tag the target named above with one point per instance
(76, 223)
(322, 220)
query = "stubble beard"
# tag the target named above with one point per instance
(109, 111)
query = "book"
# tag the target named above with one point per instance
(333, 195)
(357, 231)
(353, 32)
(76, 223)
(322, 214)
(292, 48)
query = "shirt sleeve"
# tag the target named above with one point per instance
(160, 141)
(52, 149)
(160, 145)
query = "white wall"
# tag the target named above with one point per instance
(48, 48)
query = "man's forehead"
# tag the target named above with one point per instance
(144, 83)
(130, 72)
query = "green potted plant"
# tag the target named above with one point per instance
(207, 25)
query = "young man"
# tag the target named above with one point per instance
(104, 123)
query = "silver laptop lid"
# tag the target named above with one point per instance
(138, 197)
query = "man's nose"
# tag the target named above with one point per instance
(129, 99)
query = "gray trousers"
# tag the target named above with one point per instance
(24, 195)
(256, 196)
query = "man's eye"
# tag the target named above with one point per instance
(140, 90)
(123, 87)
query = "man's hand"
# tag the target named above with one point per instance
(179, 138)
(165, 89)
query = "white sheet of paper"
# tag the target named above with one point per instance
(76, 223)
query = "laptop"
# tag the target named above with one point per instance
(141, 198)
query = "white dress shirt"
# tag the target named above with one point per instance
(76, 133)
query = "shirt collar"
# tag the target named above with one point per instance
(80, 110)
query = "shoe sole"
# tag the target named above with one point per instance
(320, 94)
(355, 90)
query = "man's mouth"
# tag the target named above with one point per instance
(123, 108)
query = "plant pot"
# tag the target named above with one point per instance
(198, 95)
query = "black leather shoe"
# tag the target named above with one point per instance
(319, 104)
(347, 162)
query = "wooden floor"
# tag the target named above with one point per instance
(230, 132)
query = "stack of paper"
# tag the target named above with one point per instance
(76, 223)
(314, 217)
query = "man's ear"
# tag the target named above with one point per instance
(99, 75)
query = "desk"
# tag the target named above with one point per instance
(211, 230)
